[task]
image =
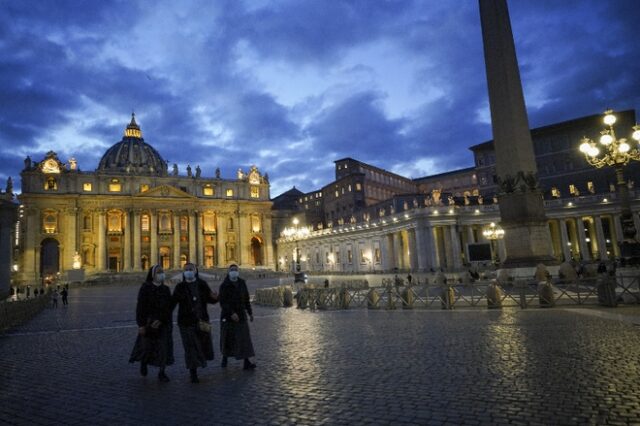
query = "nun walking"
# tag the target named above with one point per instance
(192, 295)
(154, 344)
(235, 339)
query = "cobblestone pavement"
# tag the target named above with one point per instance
(556, 366)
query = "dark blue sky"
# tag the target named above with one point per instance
(293, 85)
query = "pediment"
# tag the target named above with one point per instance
(165, 191)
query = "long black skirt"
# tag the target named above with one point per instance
(198, 347)
(235, 340)
(156, 350)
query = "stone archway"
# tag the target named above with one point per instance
(49, 257)
(256, 251)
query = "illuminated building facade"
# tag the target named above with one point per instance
(132, 212)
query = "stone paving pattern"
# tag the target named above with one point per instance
(537, 366)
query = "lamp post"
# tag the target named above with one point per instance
(617, 153)
(492, 233)
(295, 233)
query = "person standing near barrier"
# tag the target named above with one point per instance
(154, 344)
(192, 295)
(235, 338)
(54, 299)
(65, 294)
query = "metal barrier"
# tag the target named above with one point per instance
(603, 290)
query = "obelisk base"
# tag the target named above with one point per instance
(527, 238)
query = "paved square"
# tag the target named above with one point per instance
(555, 366)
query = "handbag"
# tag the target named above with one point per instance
(203, 325)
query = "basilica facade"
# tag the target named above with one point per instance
(133, 212)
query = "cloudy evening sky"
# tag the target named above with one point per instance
(293, 85)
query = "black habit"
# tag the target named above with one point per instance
(235, 339)
(156, 346)
(192, 299)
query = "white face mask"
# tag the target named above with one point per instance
(189, 275)
(233, 275)
(159, 278)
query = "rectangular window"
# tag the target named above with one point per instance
(358, 186)
(87, 186)
(144, 187)
(115, 186)
(229, 192)
(255, 192)
(144, 223)
(184, 224)
(208, 190)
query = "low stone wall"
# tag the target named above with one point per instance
(18, 312)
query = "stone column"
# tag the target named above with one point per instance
(241, 244)
(70, 238)
(127, 240)
(137, 266)
(268, 243)
(636, 224)
(397, 251)
(438, 248)
(221, 259)
(153, 236)
(102, 242)
(602, 244)
(176, 240)
(8, 217)
(421, 249)
(582, 240)
(564, 240)
(413, 249)
(469, 240)
(387, 252)
(30, 270)
(455, 247)
(199, 239)
(527, 238)
(192, 237)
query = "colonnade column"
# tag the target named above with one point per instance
(153, 233)
(438, 248)
(136, 266)
(397, 251)
(455, 247)
(421, 248)
(470, 240)
(564, 240)
(636, 223)
(602, 245)
(582, 239)
(176, 240)
(413, 249)
(101, 256)
(387, 252)
(126, 219)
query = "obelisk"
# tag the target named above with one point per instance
(527, 238)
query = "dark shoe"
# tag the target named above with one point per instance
(224, 362)
(194, 376)
(248, 365)
(143, 369)
(163, 377)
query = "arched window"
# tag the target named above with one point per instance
(87, 224)
(144, 223)
(51, 184)
(50, 222)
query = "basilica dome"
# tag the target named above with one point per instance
(133, 155)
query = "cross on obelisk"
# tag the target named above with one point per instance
(527, 238)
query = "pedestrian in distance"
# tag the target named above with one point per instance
(192, 295)
(235, 308)
(28, 291)
(41, 291)
(154, 343)
(54, 299)
(65, 294)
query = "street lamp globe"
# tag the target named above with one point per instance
(609, 118)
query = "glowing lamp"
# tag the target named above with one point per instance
(606, 139)
(636, 133)
(593, 151)
(624, 147)
(609, 118)
(584, 146)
